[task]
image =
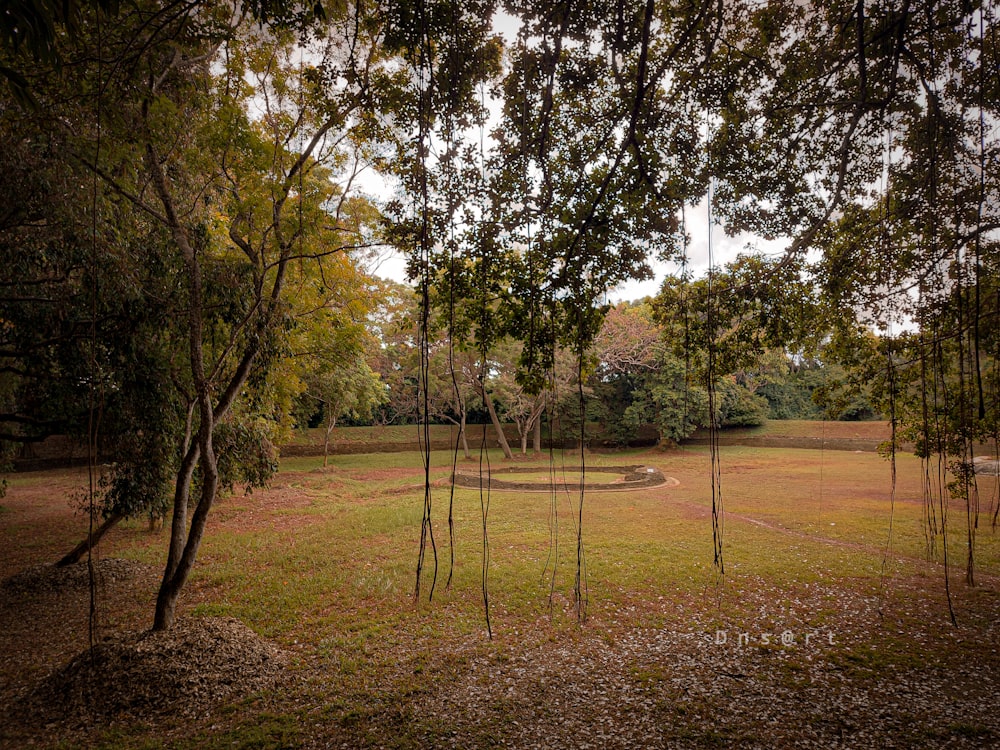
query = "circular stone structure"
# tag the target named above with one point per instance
(986, 466)
(628, 478)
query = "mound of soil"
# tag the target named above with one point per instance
(185, 671)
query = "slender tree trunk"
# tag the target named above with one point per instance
(462, 434)
(184, 546)
(166, 599)
(326, 441)
(537, 438)
(501, 438)
(532, 425)
(176, 575)
(90, 542)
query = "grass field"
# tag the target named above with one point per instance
(830, 626)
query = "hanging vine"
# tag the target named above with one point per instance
(95, 381)
(718, 517)
(424, 70)
(886, 253)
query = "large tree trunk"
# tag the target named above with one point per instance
(92, 540)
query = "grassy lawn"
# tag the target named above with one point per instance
(323, 563)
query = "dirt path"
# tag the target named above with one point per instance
(881, 552)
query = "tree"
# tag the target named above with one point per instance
(451, 371)
(668, 399)
(84, 354)
(271, 195)
(629, 339)
(636, 377)
(867, 132)
(488, 369)
(451, 385)
(392, 323)
(516, 396)
(241, 207)
(332, 354)
(331, 350)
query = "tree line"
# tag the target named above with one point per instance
(639, 373)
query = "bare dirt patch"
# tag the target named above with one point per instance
(48, 500)
(274, 509)
(50, 578)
